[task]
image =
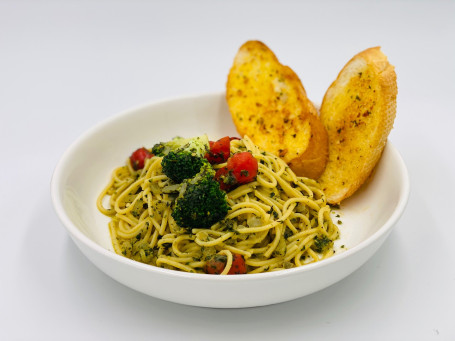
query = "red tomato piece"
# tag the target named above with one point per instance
(138, 158)
(216, 265)
(226, 179)
(238, 265)
(219, 150)
(244, 167)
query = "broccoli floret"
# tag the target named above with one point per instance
(181, 165)
(201, 203)
(197, 145)
(184, 158)
(321, 244)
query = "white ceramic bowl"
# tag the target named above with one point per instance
(85, 168)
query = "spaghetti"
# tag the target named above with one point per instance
(278, 221)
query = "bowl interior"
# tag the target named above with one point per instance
(87, 165)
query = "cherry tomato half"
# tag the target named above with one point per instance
(219, 150)
(138, 158)
(216, 265)
(244, 167)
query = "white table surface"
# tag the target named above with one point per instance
(65, 66)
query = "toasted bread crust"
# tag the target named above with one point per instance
(268, 103)
(357, 111)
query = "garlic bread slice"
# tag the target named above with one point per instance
(268, 103)
(358, 111)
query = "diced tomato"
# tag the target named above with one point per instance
(216, 265)
(235, 138)
(219, 150)
(238, 265)
(241, 168)
(244, 167)
(138, 158)
(225, 178)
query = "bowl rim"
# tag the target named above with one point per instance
(58, 175)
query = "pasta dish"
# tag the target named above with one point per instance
(272, 221)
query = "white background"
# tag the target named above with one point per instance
(65, 66)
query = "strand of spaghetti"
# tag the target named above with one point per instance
(133, 232)
(143, 171)
(306, 188)
(265, 227)
(313, 255)
(321, 219)
(257, 262)
(320, 194)
(264, 206)
(115, 243)
(155, 224)
(130, 221)
(228, 266)
(303, 217)
(213, 242)
(179, 259)
(258, 250)
(177, 241)
(272, 246)
(168, 239)
(208, 231)
(302, 234)
(198, 264)
(99, 200)
(148, 233)
(263, 176)
(122, 174)
(161, 260)
(242, 190)
(244, 211)
(253, 239)
(151, 166)
(310, 203)
(290, 225)
(149, 202)
(259, 228)
(253, 205)
(307, 242)
(130, 167)
(289, 176)
(291, 192)
(233, 249)
(300, 246)
(266, 268)
(272, 203)
(164, 220)
(192, 249)
(328, 254)
(157, 178)
(154, 238)
(117, 192)
(279, 166)
(297, 258)
(132, 188)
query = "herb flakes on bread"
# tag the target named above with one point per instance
(357, 111)
(268, 103)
